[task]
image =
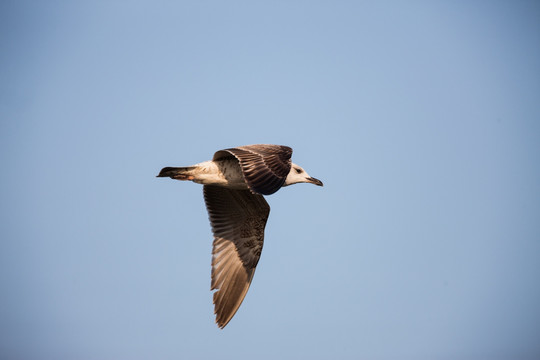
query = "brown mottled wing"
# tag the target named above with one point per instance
(238, 218)
(265, 167)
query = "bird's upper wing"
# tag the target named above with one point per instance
(265, 167)
(238, 218)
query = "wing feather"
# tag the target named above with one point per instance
(265, 167)
(238, 219)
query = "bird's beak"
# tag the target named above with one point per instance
(314, 181)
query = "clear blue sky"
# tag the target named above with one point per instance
(421, 118)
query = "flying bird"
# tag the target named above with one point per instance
(235, 181)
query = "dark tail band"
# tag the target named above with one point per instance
(175, 172)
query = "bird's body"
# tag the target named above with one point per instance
(225, 173)
(234, 182)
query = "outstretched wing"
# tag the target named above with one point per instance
(265, 167)
(238, 218)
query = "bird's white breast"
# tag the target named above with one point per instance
(226, 173)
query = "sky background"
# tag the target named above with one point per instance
(421, 117)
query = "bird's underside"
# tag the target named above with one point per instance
(234, 182)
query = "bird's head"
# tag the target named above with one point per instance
(299, 175)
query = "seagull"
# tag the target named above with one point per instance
(235, 181)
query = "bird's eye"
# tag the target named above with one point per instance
(298, 171)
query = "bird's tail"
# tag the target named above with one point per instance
(178, 173)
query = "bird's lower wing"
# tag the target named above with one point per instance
(238, 219)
